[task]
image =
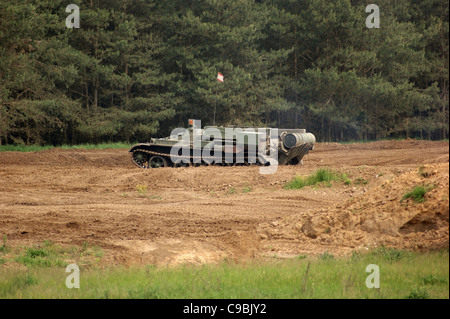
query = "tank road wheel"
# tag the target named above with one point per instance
(158, 161)
(141, 159)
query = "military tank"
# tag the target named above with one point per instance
(225, 146)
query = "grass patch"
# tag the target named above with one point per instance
(361, 181)
(50, 255)
(142, 190)
(388, 139)
(4, 247)
(323, 176)
(37, 148)
(246, 189)
(391, 254)
(431, 279)
(326, 256)
(88, 250)
(100, 146)
(418, 193)
(44, 255)
(17, 283)
(412, 275)
(234, 190)
(23, 148)
(418, 293)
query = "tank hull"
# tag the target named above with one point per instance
(245, 147)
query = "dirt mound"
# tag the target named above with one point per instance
(380, 216)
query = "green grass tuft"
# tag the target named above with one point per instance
(326, 256)
(431, 279)
(418, 194)
(418, 293)
(18, 282)
(246, 189)
(4, 247)
(323, 176)
(44, 255)
(392, 254)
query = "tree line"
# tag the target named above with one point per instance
(139, 68)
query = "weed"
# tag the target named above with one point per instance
(347, 181)
(142, 190)
(86, 250)
(18, 282)
(322, 176)
(84, 246)
(247, 189)
(392, 254)
(143, 293)
(355, 256)
(4, 248)
(418, 194)
(422, 172)
(25, 281)
(34, 253)
(418, 293)
(361, 181)
(231, 190)
(326, 256)
(431, 279)
(40, 256)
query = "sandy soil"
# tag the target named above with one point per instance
(168, 216)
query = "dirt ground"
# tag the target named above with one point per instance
(168, 216)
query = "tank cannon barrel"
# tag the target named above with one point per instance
(297, 139)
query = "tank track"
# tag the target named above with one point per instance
(198, 160)
(193, 160)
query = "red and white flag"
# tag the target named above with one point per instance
(220, 77)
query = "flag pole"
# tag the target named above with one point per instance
(220, 79)
(215, 103)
